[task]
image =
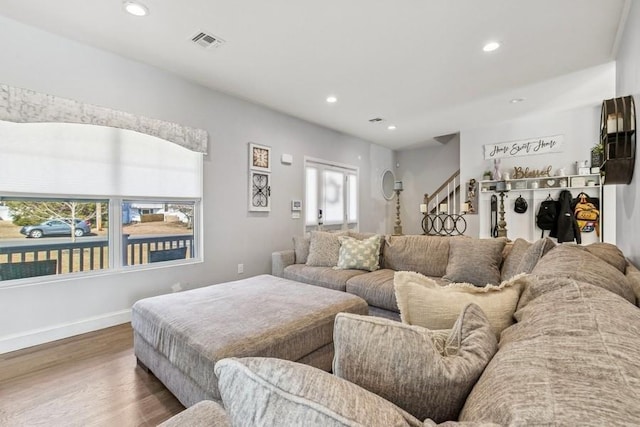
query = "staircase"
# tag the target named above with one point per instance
(442, 215)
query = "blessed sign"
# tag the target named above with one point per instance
(525, 147)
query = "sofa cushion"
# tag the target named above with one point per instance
(274, 392)
(571, 261)
(424, 254)
(375, 288)
(524, 256)
(327, 277)
(475, 261)
(301, 248)
(608, 253)
(633, 276)
(359, 254)
(572, 359)
(324, 248)
(424, 302)
(403, 364)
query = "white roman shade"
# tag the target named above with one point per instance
(81, 159)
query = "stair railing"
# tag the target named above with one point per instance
(441, 209)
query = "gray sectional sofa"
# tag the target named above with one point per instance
(570, 358)
(477, 260)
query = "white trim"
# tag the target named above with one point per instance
(65, 330)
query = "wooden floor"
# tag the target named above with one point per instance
(87, 380)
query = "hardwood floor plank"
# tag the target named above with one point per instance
(88, 380)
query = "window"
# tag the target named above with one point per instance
(87, 197)
(155, 231)
(52, 236)
(331, 195)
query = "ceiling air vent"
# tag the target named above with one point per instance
(207, 40)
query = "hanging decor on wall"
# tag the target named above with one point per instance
(471, 198)
(259, 178)
(524, 147)
(618, 140)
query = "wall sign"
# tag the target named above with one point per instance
(524, 147)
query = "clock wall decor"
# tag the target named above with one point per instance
(259, 157)
(259, 178)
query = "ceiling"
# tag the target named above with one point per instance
(418, 64)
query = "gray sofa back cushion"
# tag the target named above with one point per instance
(572, 359)
(576, 263)
(427, 255)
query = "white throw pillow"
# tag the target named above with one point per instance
(424, 302)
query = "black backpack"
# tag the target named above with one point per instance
(547, 216)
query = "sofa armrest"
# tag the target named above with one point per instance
(280, 260)
(206, 413)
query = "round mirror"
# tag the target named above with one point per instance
(388, 180)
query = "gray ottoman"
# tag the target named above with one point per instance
(179, 337)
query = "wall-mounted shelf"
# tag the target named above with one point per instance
(534, 191)
(544, 183)
(618, 140)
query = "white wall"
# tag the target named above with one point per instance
(423, 170)
(628, 83)
(580, 127)
(50, 64)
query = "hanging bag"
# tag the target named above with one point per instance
(547, 215)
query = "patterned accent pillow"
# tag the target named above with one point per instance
(475, 261)
(359, 254)
(324, 248)
(424, 302)
(275, 392)
(408, 366)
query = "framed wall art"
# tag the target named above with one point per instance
(259, 157)
(259, 191)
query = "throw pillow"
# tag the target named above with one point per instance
(324, 248)
(424, 302)
(301, 248)
(276, 392)
(533, 254)
(403, 364)
(475, 261)
(359, 254)
(513, 257)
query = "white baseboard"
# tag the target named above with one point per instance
(44, 335)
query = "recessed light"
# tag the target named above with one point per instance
(391, 127)
(136, 9)
(332, 99)
(490, 47)
(516, 100)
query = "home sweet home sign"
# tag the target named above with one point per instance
(524, 147)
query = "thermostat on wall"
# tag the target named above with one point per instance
(296, 205)
(286, 159)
